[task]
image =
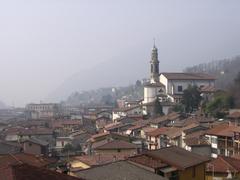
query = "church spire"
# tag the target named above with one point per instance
(154, 64)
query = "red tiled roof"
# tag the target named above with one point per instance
(171, 116)
(117, 144)
(178, 157)
(234, 115)
(148, 161)
(157, 132)
(33, 160)
(28, 172)
(222, 164)
(223, 130)
(99, 159)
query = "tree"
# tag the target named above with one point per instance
(191, 98)
(68, 148)
(221, 103)
(138, 83)
(157, 108)
(178, 108)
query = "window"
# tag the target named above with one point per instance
(30, 144)
(214, 140)
(180, 89)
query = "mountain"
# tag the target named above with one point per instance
(225, 70)
(119, 71)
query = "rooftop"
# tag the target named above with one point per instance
(117, 144)
(222, 164)
(223, 129)
(178, 157)
(27, 172)
(118, 171)
(99, 159)
(148, 161)
(188, 76)
(20, 158)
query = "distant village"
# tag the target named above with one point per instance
(183, 128)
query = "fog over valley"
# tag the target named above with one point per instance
(49, 49)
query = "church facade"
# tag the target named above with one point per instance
(168, 88)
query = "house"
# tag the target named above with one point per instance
(173, 163)
(198, 145)
(234, 116)
(35, 146)
(30, 159)
(117, 147)
(164, 120)
(223, 168)
(164, 137)
(102, 138)
(88, 161)
(27, 172)
(43, 111)
(9, 147)
(65, 126)
(224, 139)
(117, 171)
(61, 142)
(101, 122)
(176, 83)
(118, 127)
(122, 112)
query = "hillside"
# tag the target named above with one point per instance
(224, 70)
(106, 96)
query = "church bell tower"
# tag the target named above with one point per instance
(154, 65)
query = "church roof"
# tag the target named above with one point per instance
(188, 76)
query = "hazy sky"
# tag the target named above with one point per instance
(43, 42)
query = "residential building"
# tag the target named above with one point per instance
(117, 147)
(224, 139)
(27, 172)
(43, 111)
(173, 163)
(126, 111)
(116, 171)
(88, 161)
(35, 146)
(223, 168)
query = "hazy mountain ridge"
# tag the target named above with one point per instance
(120, 71)
(224, 70)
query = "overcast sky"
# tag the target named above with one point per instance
(43, 42)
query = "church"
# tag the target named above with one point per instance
(167, 88)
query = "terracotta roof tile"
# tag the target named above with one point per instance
(33, 160)
(223, 130)
(178, 157)
(222, 164)
(117, 144)
(148, 161)
(99, 159)
(27, 172)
